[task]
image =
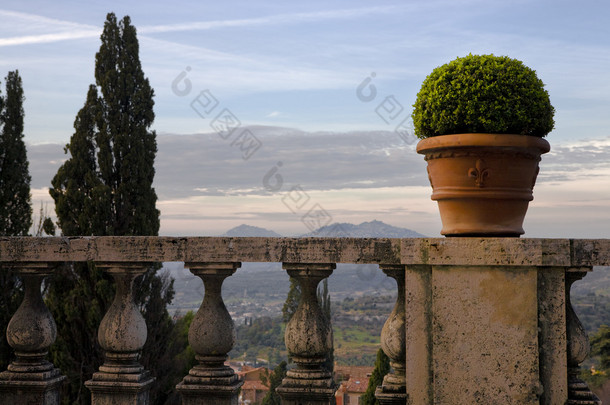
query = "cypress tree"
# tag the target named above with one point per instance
(382, 367)
(15, 200)
(80, 196)
(127, 147)
(79, 294)
(105, 188)
(274, 380)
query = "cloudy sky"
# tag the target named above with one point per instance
(287, 74)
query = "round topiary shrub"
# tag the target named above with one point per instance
(483, 93)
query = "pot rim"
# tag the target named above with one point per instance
(477, 139)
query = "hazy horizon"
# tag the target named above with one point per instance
(206, 187)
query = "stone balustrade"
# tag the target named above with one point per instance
(477, 320)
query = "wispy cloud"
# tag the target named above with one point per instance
(291, 18)
(38, 20)
(79, 31)
(46, 38)
(42, 29)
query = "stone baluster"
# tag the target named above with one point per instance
(212, 336)
(30, 378)
(578, 348)
(122, 380)
(309, 341)
(393, 342)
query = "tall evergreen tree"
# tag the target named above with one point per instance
(15, 200)
(127, 147)
(273, 380)
(81, 201)
(105, 188)
(382, 367)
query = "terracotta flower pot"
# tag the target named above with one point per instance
(482, 182)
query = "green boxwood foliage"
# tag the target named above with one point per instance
(483, 93)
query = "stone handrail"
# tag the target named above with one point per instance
(476, 319)
(410, 251)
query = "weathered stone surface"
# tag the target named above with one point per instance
(394, 390)
(308, 339)
(120, 389)
(121, 380)
(387, 397)
(578, 348)
(212, 331)
(484, 336)
(418, 329)
(294, 250)
(210, 394)
(15, 392)
(485, 318)
(32, 328)
(449, 251)
(486, 251)
(552, 335)
(308, 334)
(212, 336)
(313, 395)
(30, 378)
(590, 252)
(201, 249)
(123, 329)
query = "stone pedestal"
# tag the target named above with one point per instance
(30, 378)
(120, 389)
(299, 394)
(121, 380)
(212, 336)
(202, 391)
(308, 339)
(473, 335)
(22, 388)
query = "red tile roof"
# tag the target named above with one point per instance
(254, 385)
(353, 371)
(357, 385)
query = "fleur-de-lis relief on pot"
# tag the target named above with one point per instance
(479, 173)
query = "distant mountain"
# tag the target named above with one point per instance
(251, 231)
(372, 229)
